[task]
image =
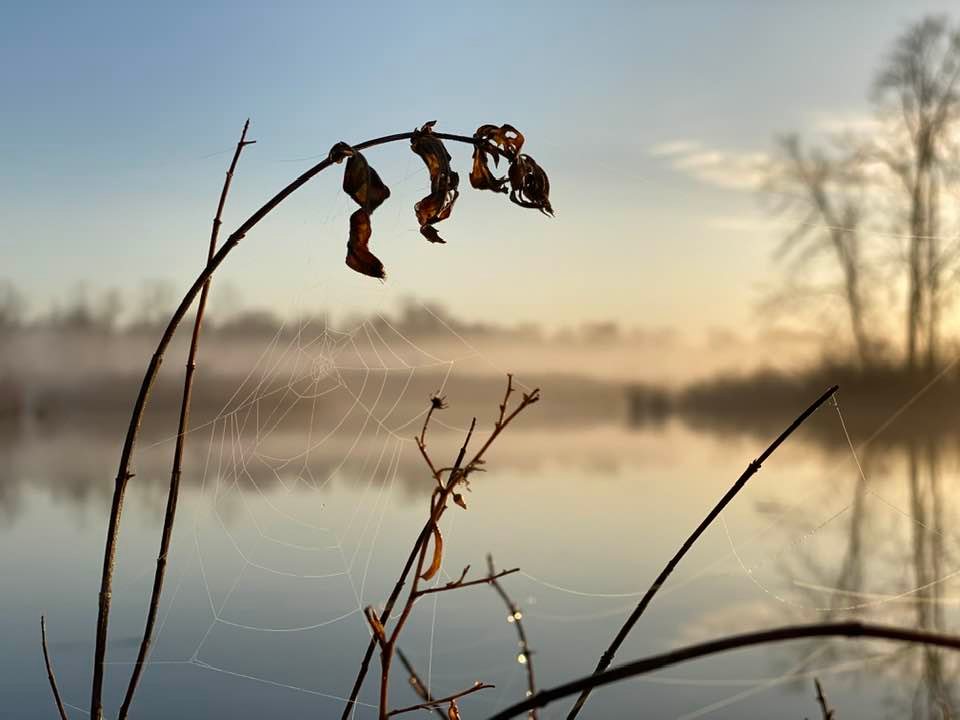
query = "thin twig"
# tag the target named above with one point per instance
(458, 584)
(50, 675)
(476, 687)
(733, 642)
(426, 532)
(826, 711)
(516, 619)
(419, 687)
(124, 472)
(751, 470)
(183, 425)
(437, 402)
(436, 510)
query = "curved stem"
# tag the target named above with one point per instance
(50, 676)
(751, 470)
(733, 642)
(133, 429)
(183, 426)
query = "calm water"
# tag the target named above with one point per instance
(298, 510)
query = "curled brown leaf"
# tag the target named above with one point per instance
(458, 499)
(437, 554)
(529, 184)
(438, 204)
(493, 141)
(453, 712)
(362, 183)
(359, 257)
(375, 625)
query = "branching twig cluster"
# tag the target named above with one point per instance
(448, 482)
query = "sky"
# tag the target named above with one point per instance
(118, 120)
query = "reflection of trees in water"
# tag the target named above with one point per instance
(914, 555)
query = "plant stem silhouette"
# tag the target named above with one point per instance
(50, 676)
(516, 618)
(825, 709)
(183, 425)
(751, 470)
(733, 642)
(419, 687)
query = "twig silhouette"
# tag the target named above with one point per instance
(458, 584)
(124, 471)
(733, 642)
(50, 675)
(516, 618)
(825, 710)
(183, 425)
(476, 687)
(419, 687)
(456, 474)
(751, 470)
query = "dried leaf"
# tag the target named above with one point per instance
(362, 183)
(453, 712)
(493, 141)
(443, 182)
(458, 499)
(529, 184)
(437, 554)
(359, 257)
(375, 623)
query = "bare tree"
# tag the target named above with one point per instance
(917, 89)
(826, 193)
(838, 194)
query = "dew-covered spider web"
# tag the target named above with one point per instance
(304, 490)
(308, 489)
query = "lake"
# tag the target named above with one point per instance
(303, 492)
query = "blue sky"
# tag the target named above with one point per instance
(117, 121)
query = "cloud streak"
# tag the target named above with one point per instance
(730, 170)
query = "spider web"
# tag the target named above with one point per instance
(302, 466)
(303, 470)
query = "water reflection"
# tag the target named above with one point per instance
(890, 558)
(293, 509)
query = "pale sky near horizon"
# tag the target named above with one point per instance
(117, 122)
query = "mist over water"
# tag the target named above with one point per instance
(302, 489)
